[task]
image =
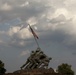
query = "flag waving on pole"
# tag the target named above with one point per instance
(34, 34)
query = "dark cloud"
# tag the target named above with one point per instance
(60, 18)
(34, 9)
(74, 53)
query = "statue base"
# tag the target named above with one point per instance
(39, 71)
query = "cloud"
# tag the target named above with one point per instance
(70, 4)
(37, 13)
(25, 4)
(6, 7)
(74, 53)
(25, 34)
(23, 53)
(13, 30)
(58, 19)
(63, 11)
(32, 21)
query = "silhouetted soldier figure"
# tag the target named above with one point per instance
(29, 60)
(37, 59)
(46, 62)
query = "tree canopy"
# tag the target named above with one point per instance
(65, 69)
(2, 69)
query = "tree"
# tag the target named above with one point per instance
(2, 69)
(65, 69)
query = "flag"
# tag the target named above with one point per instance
(23, 26)
(34, 34)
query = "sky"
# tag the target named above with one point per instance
(54, 21)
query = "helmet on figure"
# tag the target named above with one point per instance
(38, 49)
(32, 51)
(50, 58)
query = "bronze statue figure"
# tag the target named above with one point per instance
(37, 59)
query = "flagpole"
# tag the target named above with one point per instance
(36, 42)
(35, 39)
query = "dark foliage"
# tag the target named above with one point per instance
(2, 69)
(65, 69)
